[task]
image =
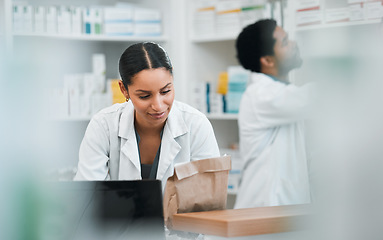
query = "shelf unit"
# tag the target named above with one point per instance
(53, 56)
(337, 25)
(193, 57)
(101, 38)
(212, 38)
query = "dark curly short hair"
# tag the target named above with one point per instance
(255, 41)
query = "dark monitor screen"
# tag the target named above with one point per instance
(104, 210)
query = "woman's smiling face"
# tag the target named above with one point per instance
(152, 94)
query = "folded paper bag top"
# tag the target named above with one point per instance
(197, 186)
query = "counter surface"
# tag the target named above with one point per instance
(243, 222)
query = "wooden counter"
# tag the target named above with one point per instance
(243, 222)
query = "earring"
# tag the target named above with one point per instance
(127, 99)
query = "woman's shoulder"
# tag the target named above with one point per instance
(112, 112)
(187, 110)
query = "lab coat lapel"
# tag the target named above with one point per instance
(175, 127)
(129, 159)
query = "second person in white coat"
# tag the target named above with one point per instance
(146, 136)
(271, 120)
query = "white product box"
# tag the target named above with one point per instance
(76, 17)
(216, 102)
(118, 21)
(28, 19)
(145, 15)
(201, 5)
(228, 23)
(64, 23)
(39, 19)
(356, 12)
(228, 6)
(88, 21)
(85, 108)
(251, 3)
(51, 16)
(74, 104)
(337, 15)
(238, 79)
(98, 64)
(303, 5)
(100, 101)
(118, 14)
(373, 10)
(94, 83)
(204, 22)
(147, 29)
(250, 14)
(199, 96)
(74, 84)
(124, 29)
(236, 169)
(97, 14)
(309, 17)
(18, 18)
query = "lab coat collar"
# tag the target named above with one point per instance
(129, 150)
(175, 127)
(255, 77)
(175, 122)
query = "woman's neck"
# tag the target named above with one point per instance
(145, 128)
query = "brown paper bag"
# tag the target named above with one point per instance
(197, 186)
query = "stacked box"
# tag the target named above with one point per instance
(238, 78)
(204, 17)
(308, 12)
(118, 21)
(51, 16)
(76, 18)
(39, 19)
(147, 22)
(228, 17)
(64, 23)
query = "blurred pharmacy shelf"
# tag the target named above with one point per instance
(224, 116)
(334, 25)
(214, 38)
(101, 38)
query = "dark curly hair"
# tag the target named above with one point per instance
(255, 41)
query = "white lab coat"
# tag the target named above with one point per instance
(272, 144)
(109, 148)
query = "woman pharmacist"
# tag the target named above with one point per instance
(147, 135)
